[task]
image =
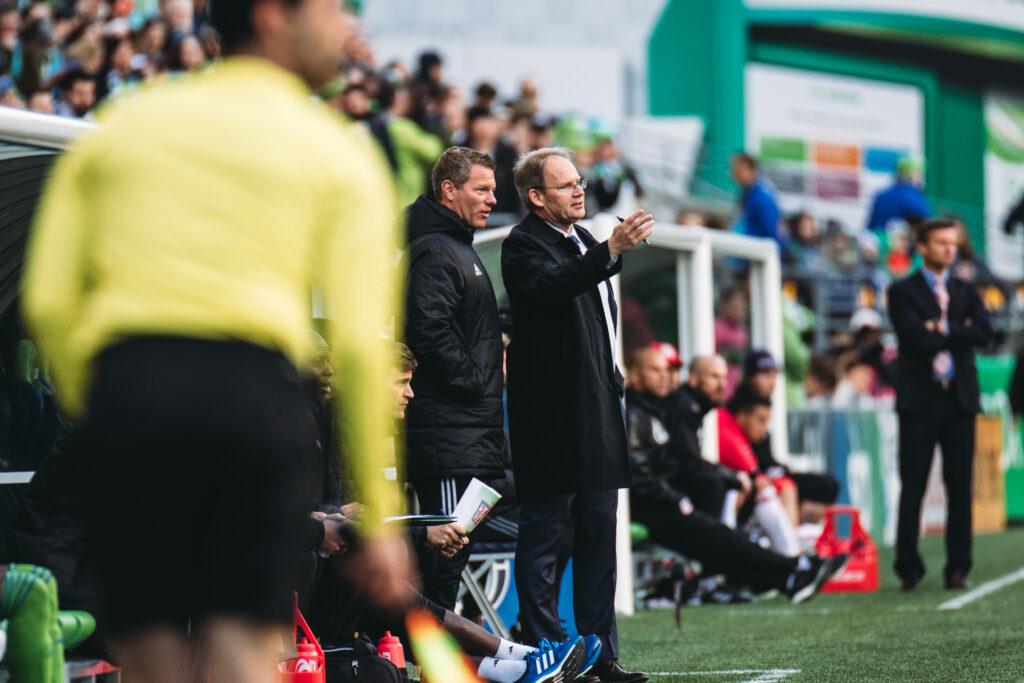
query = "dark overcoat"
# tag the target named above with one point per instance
(565, 413)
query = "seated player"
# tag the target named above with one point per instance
(334, 610)
(669, 515)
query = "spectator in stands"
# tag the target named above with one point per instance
(731, 333)
(455, 424)
(41, 101)
(706, 484)
(484, 135)
(609, 172)
(670, 516)
(184, 54)
(743, 423)
(40, 57)
(77, 94)
(803, 249)
(853, 391)
(151, 42)
(970, 266)
(759, 209)
(820, 383)
(485, 95)
(10, 24)
(814, 492)
(540, 132)
(527, 102)
(410, 151)
(9, 93)
(118, 73)
(904, 197)
(564, 407)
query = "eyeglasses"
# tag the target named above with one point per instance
(581, 183)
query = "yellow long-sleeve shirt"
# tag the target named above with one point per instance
(211, 208)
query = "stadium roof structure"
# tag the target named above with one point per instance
(29, 144)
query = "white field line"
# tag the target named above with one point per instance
(765, 675)
(983, 590)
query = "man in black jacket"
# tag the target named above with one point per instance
(671, 518)
(686, 407)
(938, 321)
(455, 423)
(565, 400)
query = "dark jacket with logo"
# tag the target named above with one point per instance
(565, 416)
(650, 456)
(455, 423)
(686, 408)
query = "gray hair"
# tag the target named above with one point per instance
(455, 165)
(529, 171)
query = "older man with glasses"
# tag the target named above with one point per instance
(566, 423)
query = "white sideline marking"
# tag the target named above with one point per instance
(784, 612)
(983, 590)
(766, 675)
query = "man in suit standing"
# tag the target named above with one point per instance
(938, 320)
(566, 417)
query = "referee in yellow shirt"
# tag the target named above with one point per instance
(169, 285)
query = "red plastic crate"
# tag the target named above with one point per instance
(843, 533)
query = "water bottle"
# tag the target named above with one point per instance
(306, 660)
(390, 648)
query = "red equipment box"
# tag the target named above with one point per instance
(843, 533)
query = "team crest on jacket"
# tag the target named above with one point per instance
(477, 271)
(658, 432)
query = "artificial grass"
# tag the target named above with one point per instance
(882, 636)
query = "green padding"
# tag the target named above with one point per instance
(75, 627)
(638, 532)
(28, 599)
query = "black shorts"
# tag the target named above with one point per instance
(199, 453)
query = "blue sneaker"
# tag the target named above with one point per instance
(554, 662)
(591, 651)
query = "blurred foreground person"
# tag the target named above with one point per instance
(939, 320)
(174, 314)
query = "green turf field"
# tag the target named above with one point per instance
(883, 636)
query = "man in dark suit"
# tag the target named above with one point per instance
(938, 320)
(566, 418)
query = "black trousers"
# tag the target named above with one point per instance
(441, 575)
(543, 525)
(819, 488)
(720, 549)
(953, 429)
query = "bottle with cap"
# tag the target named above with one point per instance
(390, 648)
(307, 659)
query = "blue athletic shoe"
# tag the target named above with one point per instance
(591, 651)
(554, 662)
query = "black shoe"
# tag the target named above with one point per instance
(609, 671)
(724, 594)
(805, 583)
(910, 584)
(957, 581)
(587, 678)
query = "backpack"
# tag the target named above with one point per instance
(358, 662)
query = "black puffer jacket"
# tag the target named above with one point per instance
(455, 424)
(654, 468)
(685, 409)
